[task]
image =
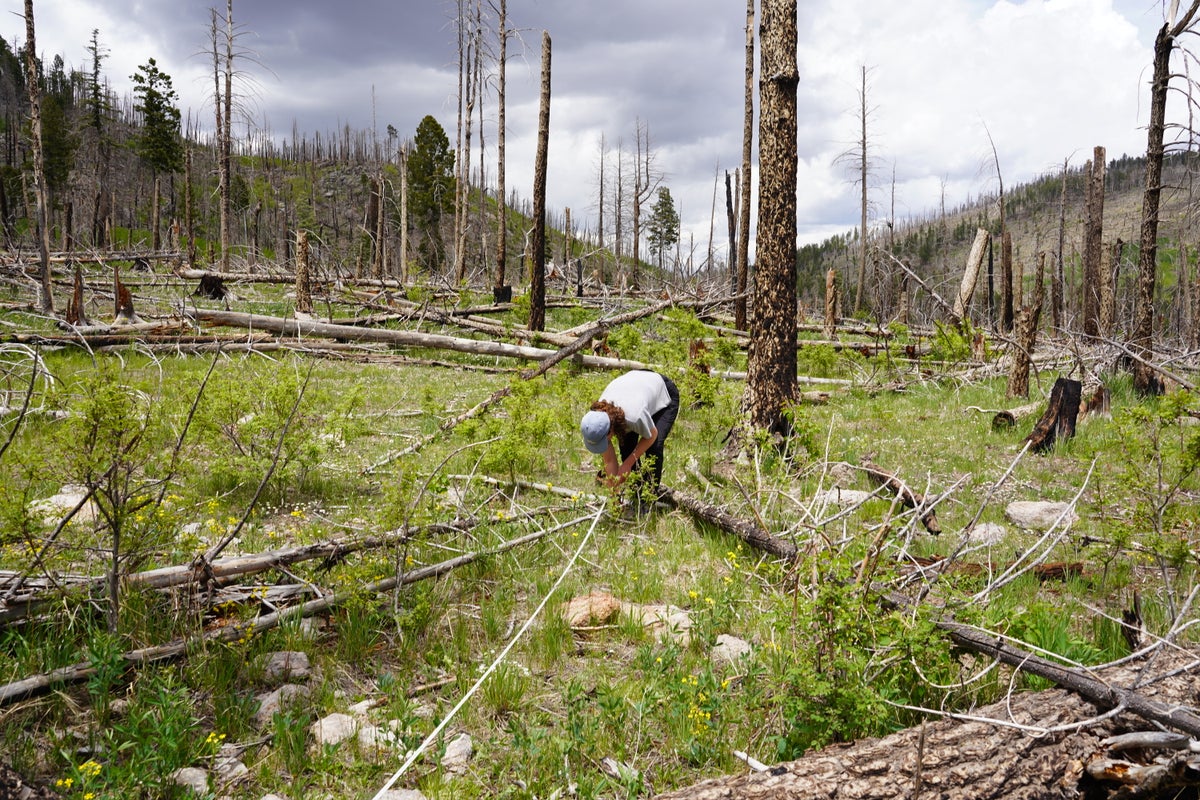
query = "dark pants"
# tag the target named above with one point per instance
(663, 421)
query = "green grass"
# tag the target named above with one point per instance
(829, 661)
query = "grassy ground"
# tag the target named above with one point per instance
(609, 711)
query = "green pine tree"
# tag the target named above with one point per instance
(430, 188)
(662, 232)
(159, 144)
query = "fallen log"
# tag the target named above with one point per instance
(1035, 746)
(907, 496)
(748, 532)
(1008, 418)
(40, 684)
(15, 608)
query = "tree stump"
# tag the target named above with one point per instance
(1059, 420)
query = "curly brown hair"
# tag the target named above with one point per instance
(616, 416)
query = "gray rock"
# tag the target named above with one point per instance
(1038, 515)
(730, 649)
(279, 700)
(333, 729)
(192, 778)
(401, 794)
(229, 770)
(458, 754)
(287, 665)
(986, 533)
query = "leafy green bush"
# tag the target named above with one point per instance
(262, 415)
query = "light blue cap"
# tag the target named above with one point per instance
(595, 427)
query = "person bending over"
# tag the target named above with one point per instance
(637, 409)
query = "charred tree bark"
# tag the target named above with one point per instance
(907, 496)
(1093, 233)
(748, 532)
(970, 758)
(771, 371)
(1058, 422)
(1026, 337)
(537, 278)
(1108, 282)
(831, 304)
(1145, 380)
(304, 303)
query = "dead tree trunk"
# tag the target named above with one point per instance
(40, 187)
(1061, 413)
(304, 304)
(1093, 232)
(1026, 337)
(1145, 380)
(537, 278)
(968, 758)
(743, 251)
(1108, 294)
(962, 303)
(831, 304)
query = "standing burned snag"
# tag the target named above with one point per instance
(304, 304)
(831, 304)
(76, 313)
(1092, 247)
(1026, 337)
(1059, 420)
(537, 277)
(771, 364)
(123, 312)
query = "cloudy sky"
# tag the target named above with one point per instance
(1048, 79)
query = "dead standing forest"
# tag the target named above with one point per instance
(292, 501)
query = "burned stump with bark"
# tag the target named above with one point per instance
(1058, 422)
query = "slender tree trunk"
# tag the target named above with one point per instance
(862, 153)
(1093, 251)
(1056, 285)
(731, 228)
(40, 188)
(403, 213)
(1142, 340)
(537, 279)
(155, 240)
(743, 253)
(771, 373)
(304, 303)
(1108, 294)
(501, 208)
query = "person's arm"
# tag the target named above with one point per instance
(642, 446)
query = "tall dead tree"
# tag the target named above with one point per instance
(743, 250)
(731, 228)
(223, 109)
(645, 181)
(40, 188)
(1142, 340)
(1093, 232)
(537, 279)
(1056, 284)
(771, 365)
(1006, 273)
(501, 208)
(863, 164)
